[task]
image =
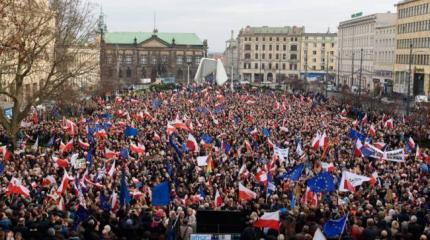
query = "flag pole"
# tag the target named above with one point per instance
(344, 225)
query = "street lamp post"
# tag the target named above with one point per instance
(231, 67)
(409, 80)
(188, 74)
(352, 70)
(361, 71)
(326, 75)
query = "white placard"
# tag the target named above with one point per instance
(202, 161)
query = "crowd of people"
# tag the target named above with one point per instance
(75, 168)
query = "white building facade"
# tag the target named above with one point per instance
(358, 52)
(269, 54)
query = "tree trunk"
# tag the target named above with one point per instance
(12, 134)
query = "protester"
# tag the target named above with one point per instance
(134, 167)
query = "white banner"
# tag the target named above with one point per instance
(282, 153)
(393, 156)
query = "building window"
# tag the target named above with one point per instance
(179, 60)
(270, 56)
(244, 66)
(314, 52)
(247, 47)
(283, 66)
(197, 60)
(154, 60)
(270, 47)
(256, 65)
(277, 56)
(128, 59)
(270, 39)
(264, 47)
(143, 60)
(189, 59)
(270, 65)
(263, 56)
(293, 57)
(284, 56)
(120, 73)
(247, 56)
(256, 47)
(262, 66)
(128, 72)
(256, 56)
(284, 47)
(276, 66)
(293, 48)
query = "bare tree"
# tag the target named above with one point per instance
(40, 46)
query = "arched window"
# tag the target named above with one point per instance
(293, 48)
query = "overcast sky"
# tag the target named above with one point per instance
(214, 19)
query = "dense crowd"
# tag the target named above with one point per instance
(238, 131)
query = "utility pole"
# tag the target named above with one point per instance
(361, 71)
(232, 62)
(338, 70)
(188, 74)
(352, 70)
(326, 75)
(409, 80)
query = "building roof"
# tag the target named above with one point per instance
(405, 1)
(320, 34)
(272, 30)
(380, 19)
(128, 37)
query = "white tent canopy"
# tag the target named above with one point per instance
(208, 66)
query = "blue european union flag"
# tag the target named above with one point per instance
(184, 146)
(169, 167)
(226, 147)
(177, 150)
(294, 174)
(202, 192)
(89, 157)
(218, 110)
(266, 132)
(156, 103)
(366, 152)
(323, 182)
(103, 203)
(353, 134)
(160, 194)
(130, 132)
(106, 115)
(334, 228)
(124, 194)
(1, 168)
(207, 139)
(124, 153)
